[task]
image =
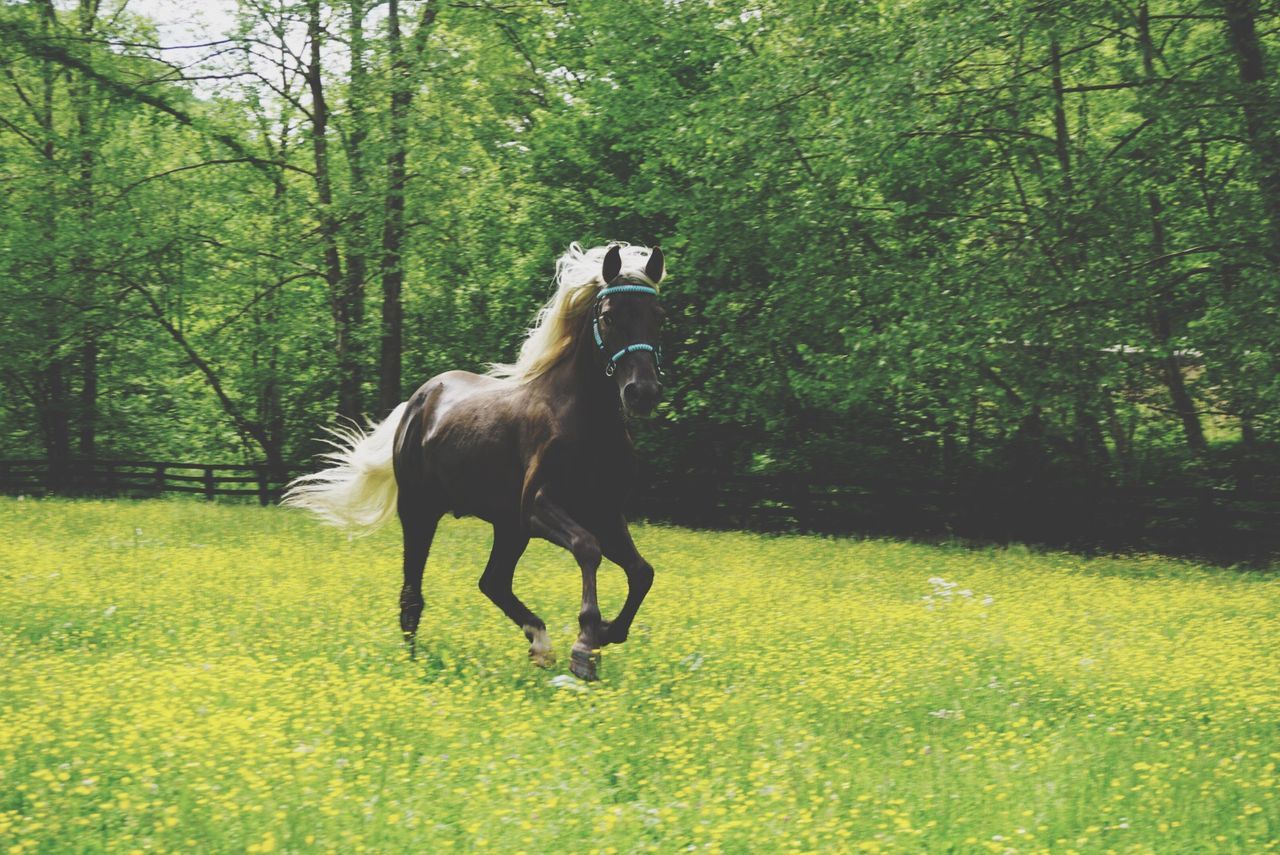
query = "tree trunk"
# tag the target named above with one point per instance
(345, 308)
(389, 360)
(1248, 433)
(1260, 114)
(355, 227)
(1170, 368)
(1120, 439)
(1090, 445)
(57, 422)
(57, 407)
(1061, 137)
(270, 410)
(88, 398)
(392, 263)
(85, 203)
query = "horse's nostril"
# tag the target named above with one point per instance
(641, 396)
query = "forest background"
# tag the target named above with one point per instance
(985, 244)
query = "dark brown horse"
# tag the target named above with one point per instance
(537, 449)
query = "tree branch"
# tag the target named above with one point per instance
(220, 162)
(41, 49)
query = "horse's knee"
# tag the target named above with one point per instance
(640, 576)
(586, 551)
(491, 588)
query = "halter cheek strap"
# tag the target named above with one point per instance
(612, 365)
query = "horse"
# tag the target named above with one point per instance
(536, 448)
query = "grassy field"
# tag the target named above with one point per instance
(185, 676)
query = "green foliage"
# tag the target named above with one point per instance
(920, 237)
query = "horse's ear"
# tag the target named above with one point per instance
(612, 264)
(655, 266)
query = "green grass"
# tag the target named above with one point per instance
(185, 676)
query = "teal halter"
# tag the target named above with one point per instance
(640, 347)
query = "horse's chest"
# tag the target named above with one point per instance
(602, 471)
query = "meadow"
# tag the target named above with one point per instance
(180, 676)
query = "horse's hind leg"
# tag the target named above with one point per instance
(509, 543)
(418, 521)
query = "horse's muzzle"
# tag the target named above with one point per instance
(639, 397)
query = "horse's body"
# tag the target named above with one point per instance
(544, 453)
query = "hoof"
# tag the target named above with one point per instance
(540, 653)
(585, 663)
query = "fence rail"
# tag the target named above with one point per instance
(1241, 524)
(143, 478)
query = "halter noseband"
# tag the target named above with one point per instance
(612, 365)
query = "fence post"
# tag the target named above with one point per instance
(208, 483)
(263, 497)
(159, 478)
(110, 478)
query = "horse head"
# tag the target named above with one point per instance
(626, 325)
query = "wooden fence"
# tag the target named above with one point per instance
(1238, 524)
(1228, 524)
(142, 478)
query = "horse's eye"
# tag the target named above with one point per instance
(607, 319)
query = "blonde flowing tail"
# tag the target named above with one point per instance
(358, 491)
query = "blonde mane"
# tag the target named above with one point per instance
(577, 283)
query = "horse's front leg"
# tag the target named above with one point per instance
(617, 546)
(547, 519)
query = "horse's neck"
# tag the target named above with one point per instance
(579, 382)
